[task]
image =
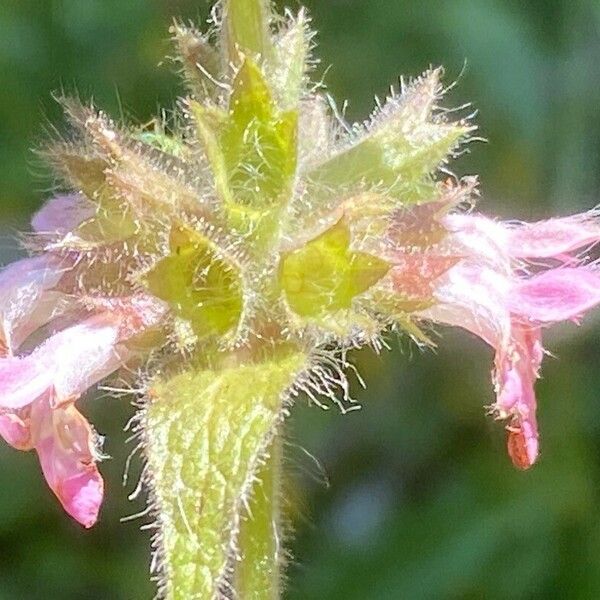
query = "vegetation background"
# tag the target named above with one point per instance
(412, 497)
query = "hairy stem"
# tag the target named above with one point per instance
(247, 26)
(261, 558)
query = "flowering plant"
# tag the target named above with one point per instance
(231, 257)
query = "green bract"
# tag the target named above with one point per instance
(325, 275)
(201, 287)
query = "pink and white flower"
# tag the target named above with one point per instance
(38, 392)
(86, 339)
(507, 283)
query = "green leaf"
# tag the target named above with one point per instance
(252, 153)
(207, 126)
(398, 153)
(199, 283)
(258, 142)
(325, 275)
(389, 161)
(206, 432)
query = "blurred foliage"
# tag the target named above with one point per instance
(412, 497)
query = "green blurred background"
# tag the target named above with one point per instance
(412, 497)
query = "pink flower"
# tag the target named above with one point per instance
(38, 391)
(66, 364)
(508, 281)
(87, 337)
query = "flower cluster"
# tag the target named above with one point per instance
(259, 222)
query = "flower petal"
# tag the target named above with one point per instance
(26, 302)
(522, 444)
(62, 214)
(543, 239)
(76, 358)
(66, 449)
(22, 381)
(16, 431)
(557, 295)
(478, 237)
(517, 368)
(553, 237)
(473, 297)
(67, 364)
(81, 355)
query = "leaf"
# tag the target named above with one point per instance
(208, 431)
(287, 68)
(398, 151)
(200, 284)
(258, 142)
(207, 132)
(388, 161)
(252, 153)
(325, 275)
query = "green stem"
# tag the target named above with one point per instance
(257, 575)
(247, 27)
